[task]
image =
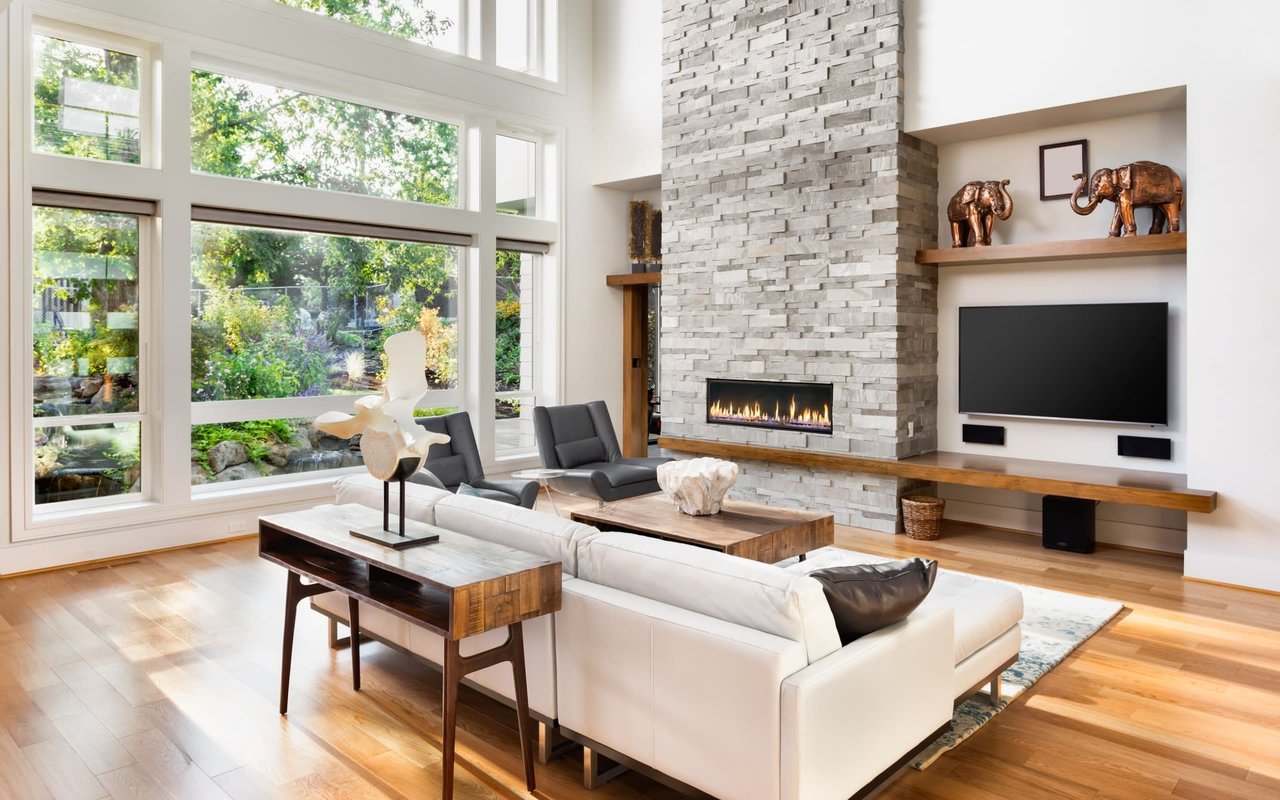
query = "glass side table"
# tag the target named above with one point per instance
(544, 478)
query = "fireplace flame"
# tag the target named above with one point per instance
(754, 413)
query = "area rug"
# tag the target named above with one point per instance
(1053, 624)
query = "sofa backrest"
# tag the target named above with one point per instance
(737, 590)
(521, 528)
(419, 500)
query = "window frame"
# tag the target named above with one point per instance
(40, 519)
(173, 49)
(537, 358)
(539, 166)
(214, 412)
(148, 107)
(290, 81)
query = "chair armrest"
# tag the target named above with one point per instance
(853, 714)
(525, 491)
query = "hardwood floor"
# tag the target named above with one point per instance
(157, 678)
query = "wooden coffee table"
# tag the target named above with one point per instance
(747, 530)
(455, 588)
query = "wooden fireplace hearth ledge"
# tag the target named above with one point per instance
(1134, 487)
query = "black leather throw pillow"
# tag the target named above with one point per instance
(867, 597)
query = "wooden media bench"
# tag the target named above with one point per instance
(1052, 478)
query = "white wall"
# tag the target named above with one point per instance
(1056, 55)
(628, 90)
(1233, 290)
(1158, 136)
(967, 62)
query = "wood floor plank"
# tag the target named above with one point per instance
(133, 783)
(97, 747)
(62, 771)
(170, 768)
(159, 679)
(18, 779)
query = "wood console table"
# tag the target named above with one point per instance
(456, 587)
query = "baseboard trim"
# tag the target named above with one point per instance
(100, 562)
(1225, 585)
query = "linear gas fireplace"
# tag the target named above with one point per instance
(770, 404)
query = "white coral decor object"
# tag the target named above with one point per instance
(697, 485)
(388, 432)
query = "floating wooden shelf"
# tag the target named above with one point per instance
(633, 278)
(1029, 252)
(1135, 487)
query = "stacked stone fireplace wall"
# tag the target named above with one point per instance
(793, 207)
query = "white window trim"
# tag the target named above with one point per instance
(149, 130)
(172, 184)
(539, 170)
(34, 515)
(297, 82)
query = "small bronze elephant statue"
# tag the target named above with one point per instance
(974, 209)
(1142, 183)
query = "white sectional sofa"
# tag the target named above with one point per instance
(723, 674)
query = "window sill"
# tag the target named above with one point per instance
(125, 516)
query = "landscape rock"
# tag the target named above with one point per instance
(227, 454)
(88, 388)
(239, 472)
(277, 455)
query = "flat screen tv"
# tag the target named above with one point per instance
(1104, 362)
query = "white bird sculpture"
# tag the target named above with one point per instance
(390, 441)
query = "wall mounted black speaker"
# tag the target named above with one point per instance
(983, 434)
(1145, 447)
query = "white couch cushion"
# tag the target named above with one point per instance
(363, 488)
(984, 609)
(502, 523)
(748, 593)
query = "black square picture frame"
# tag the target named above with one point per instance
(1057, 165)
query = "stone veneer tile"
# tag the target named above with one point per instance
(793, 207)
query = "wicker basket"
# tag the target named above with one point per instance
(922, 516)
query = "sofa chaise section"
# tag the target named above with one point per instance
(988, 614)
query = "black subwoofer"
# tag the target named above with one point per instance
(1068, 523)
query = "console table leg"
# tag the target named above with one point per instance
(522, 701)
(291, 597)
(295, 592)
(353, 606)
(452, 676)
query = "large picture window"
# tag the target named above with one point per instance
(288, 294)
(280, 313)
(87, 101)
(243, 129)
(86, 379)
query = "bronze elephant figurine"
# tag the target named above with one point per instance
(974, 209)
(1142, 183)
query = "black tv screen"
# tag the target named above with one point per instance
(1106, 362)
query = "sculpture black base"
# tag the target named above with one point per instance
(415, 534)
